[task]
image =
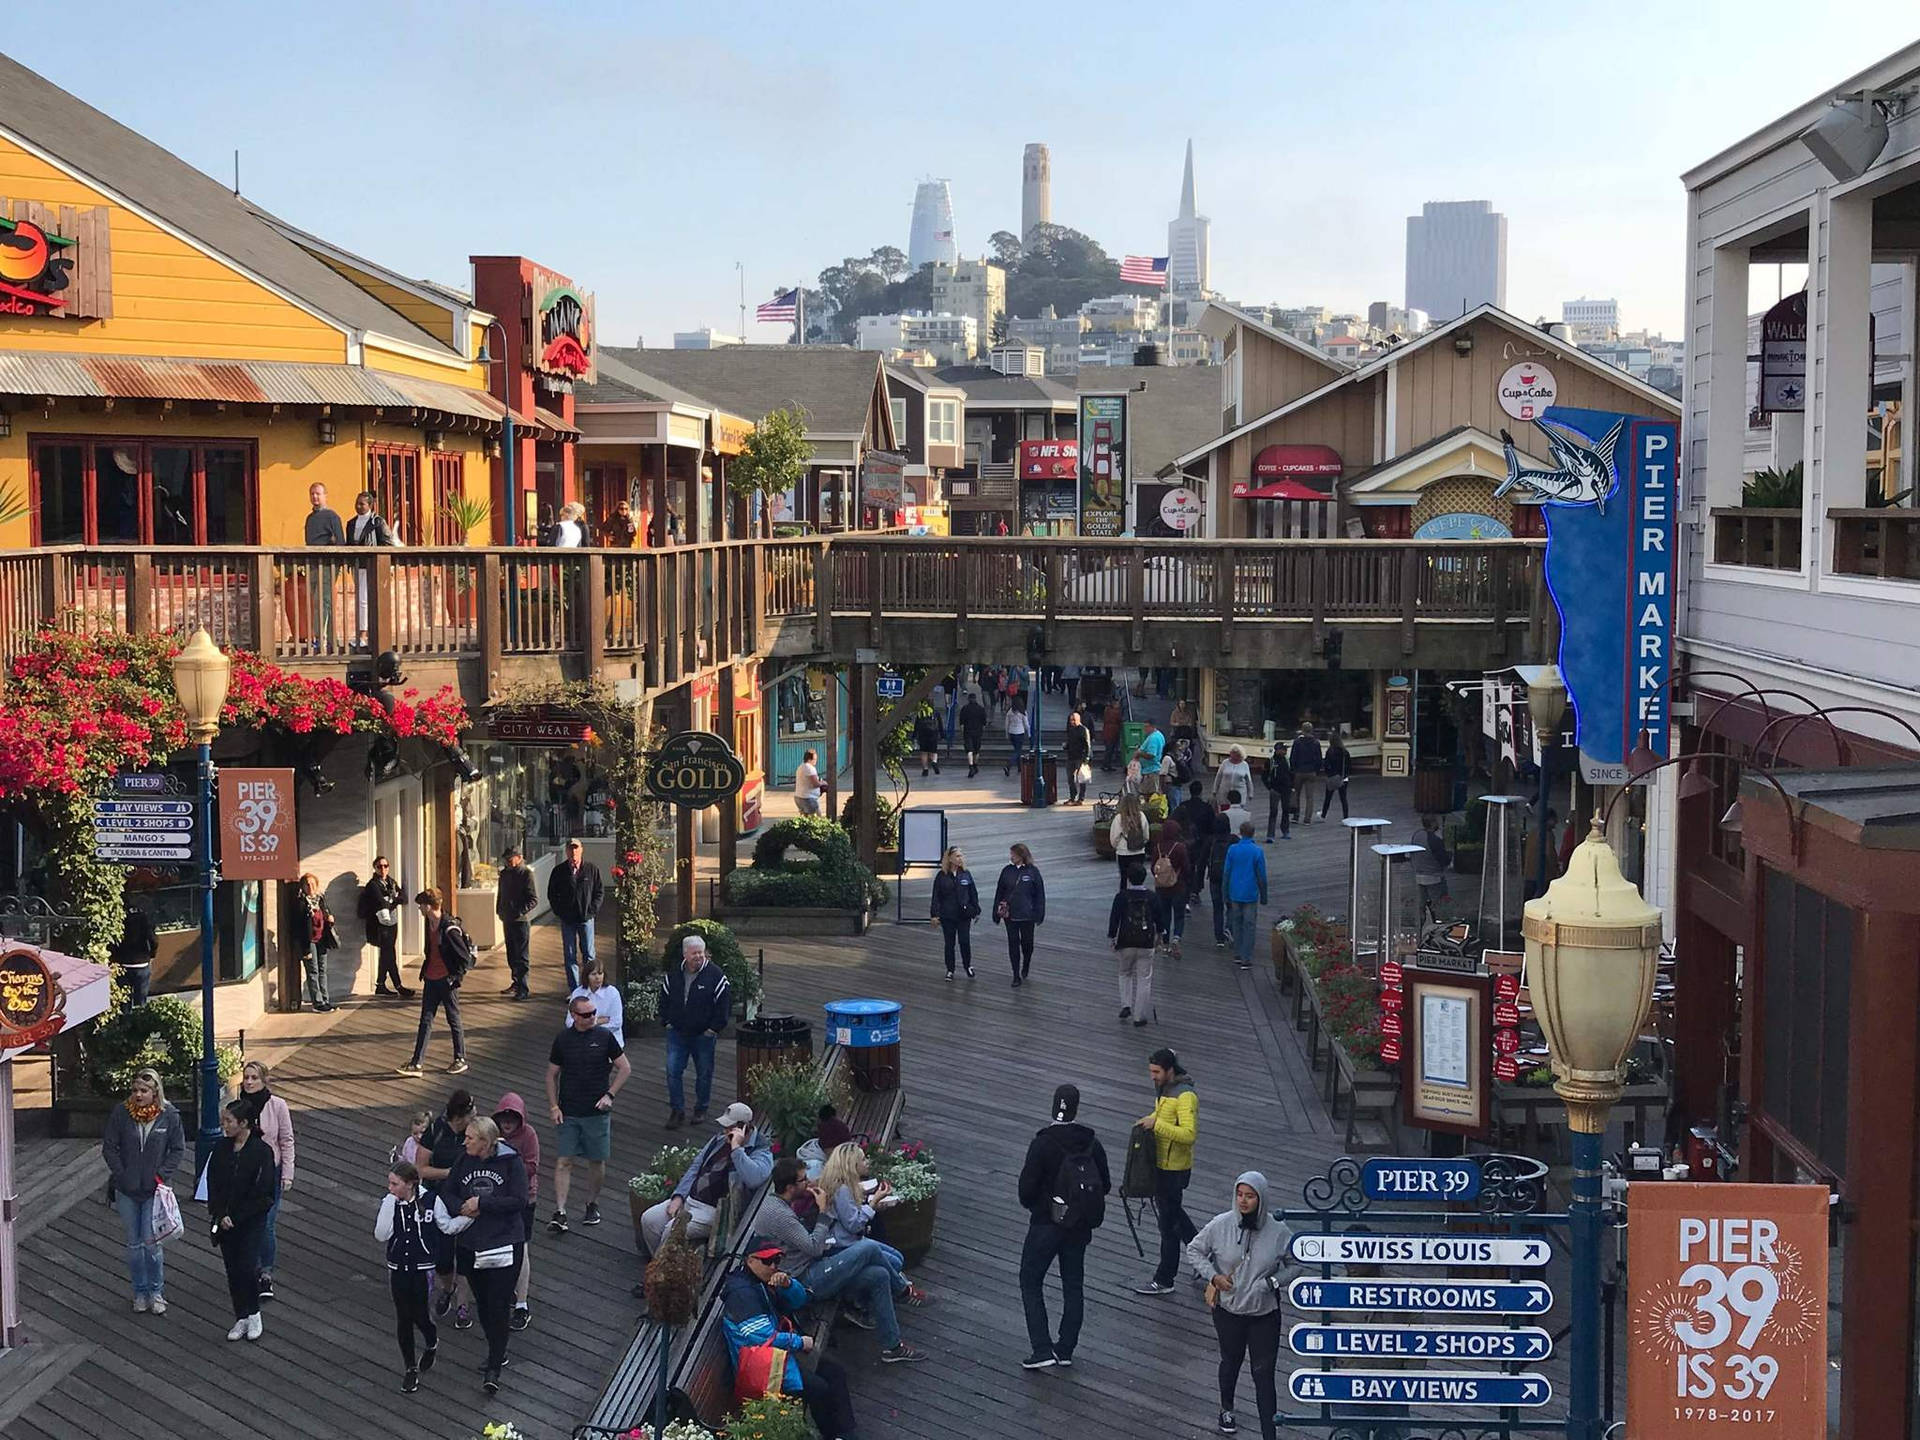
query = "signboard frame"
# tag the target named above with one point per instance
(1103, 467)
(258, 824)
(695, 750)
(1431, 1098)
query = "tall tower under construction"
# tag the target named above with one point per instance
(1036, 189)
(931, 239)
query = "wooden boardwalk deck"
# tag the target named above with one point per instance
(980, 1062)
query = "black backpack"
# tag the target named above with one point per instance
(1079, 1202)
(456, 950)
(1136, 920)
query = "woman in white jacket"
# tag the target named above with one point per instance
(1240, 1255)
(1234, 774)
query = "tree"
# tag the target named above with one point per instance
(890, 262)
(1061, 250)
(999, 328)
(773, 459)
(1006, 248)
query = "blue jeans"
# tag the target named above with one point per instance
(681, 1048)
(144, 1261)
(1176, 903)
(269, 1249)
(1241, 915)
(576, 944)
(861, 1275)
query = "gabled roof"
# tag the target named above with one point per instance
(988, 389)
(921, 378)
(1562, 350)
(1466, 442)
(97, 148)
(616, 382)
(834, 385)
(1233, 316)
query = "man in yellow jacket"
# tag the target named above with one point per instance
(1175, 1121)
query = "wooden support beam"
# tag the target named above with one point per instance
(725, 684)
(1410, 562)
(1224, 574)
(260, 600)
(830, 756)
(140, 594)
(593, 638)
(380, 608)
(875, 561)
(866, 761)
(1497, 580)
(1317, 598)
(826, 566)
(1055, 569)
(1137, 597)
(961, 580)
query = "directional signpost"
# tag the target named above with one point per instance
(1421, 1342)
(1400, 1178)
(1429, 1249)
(1418, 1387)
(1448, 1297)
(143, 832)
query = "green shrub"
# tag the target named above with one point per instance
(885, 810)
(771, 1417)
(832, 878)
(162, 1035)
(663, 1172)
(788, 1095)
(725, 952)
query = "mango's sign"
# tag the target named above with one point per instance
(563, 330)
(55, 260)
(695, 768)
(30, 1000)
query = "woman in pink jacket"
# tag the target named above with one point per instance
(274, 1121)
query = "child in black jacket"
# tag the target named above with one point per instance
(408, 1229)
(242, 1182)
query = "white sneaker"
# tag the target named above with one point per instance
(239, 1330)
(159, 1304)
(253, 1326)
(139, 1304)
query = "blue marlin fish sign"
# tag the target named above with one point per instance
(1611, 503)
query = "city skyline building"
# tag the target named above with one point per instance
(930, 240)
(1036, 189)
(1456, 258)
(1591, 322)
(1189, 241)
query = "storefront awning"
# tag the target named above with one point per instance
(1279, 490)
(1282, 461)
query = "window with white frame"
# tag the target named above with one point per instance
(943, 422)
(898, 407)
(1230, 379)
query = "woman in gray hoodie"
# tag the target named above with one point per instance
(1240, 1255)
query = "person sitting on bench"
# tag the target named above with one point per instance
(756, 1307)
(738, 1152)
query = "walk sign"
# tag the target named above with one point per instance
(1404, 1177)
(1418, 1387)
(1421, 1342)
(1363, 1248)
(1453, 1297)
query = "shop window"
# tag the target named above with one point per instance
(1806, 982)
(143, 492)
(393, 475)
(533, 797)
(449, 480)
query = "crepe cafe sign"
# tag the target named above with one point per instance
(30, 1000)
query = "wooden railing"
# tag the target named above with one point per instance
(673, 612)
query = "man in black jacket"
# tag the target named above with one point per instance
(973, 729)
(573, 894)
(514, 901)
(1195, 815)
(1063, 1188)
(926, 739)
(697, 1006)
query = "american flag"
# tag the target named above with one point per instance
(782, 309)
(1144, 270)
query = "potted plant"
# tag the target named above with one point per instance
(656, 1182)
(771, 1417)
(910, 1169)
(886, 857)
(1103, 813)
(788, 1096)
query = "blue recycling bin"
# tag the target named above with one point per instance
(869, 1031)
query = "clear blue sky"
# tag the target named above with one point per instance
(644, 148)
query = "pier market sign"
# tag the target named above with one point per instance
(1609, 502)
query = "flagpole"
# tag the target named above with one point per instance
(800, 314)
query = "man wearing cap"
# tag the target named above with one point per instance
(738, 1152)
(574, 890)
(757, 1297)
(585, 1069)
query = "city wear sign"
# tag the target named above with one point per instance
(257, 825)
(1103, 466)
(1610, 509)
(1727, 1311)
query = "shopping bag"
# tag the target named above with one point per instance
(200, 1190)
(164, 1223)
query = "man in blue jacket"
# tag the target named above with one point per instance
(756, 1299)
(1244, 882)
(696, 1008)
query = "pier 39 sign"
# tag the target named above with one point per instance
(695, 768)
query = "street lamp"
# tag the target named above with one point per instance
(1547, 705)
(1592, 948)
(200, 674)
(506, 420)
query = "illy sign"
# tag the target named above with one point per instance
(1526, 390)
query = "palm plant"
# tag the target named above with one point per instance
(466, 512)
(1773, 489)
(13, 505)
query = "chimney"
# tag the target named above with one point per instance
(1146, 354)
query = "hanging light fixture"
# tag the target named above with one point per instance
(1695, 782)
(1644, 758)
(1730, 822)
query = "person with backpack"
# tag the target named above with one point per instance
(1279, 778)
(1239, 1254)
(1172, 875)
(956, 905)
(449, 955)
(1175, 1124)
(1129, 835)
(1020, 903)
(973, 730)
(1063, 1188)
(1136, 924)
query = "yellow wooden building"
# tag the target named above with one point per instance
(178, 367)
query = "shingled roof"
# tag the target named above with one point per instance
(99, 148)
(835, 386)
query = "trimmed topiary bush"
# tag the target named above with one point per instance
(888, 813)
(829, 877)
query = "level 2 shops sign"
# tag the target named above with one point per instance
(695, 768)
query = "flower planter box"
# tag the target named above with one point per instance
(1374, 1093)
(1103, 839)
(794, 920)
(909, 1227)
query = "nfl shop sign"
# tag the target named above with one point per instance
(1049, 459)
(1526, 390)
(1727, 1311)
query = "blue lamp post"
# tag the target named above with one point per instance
(1593, 945)
(200, 674)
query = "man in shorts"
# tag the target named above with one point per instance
(585, 1070)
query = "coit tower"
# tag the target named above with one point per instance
(1036, 189)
